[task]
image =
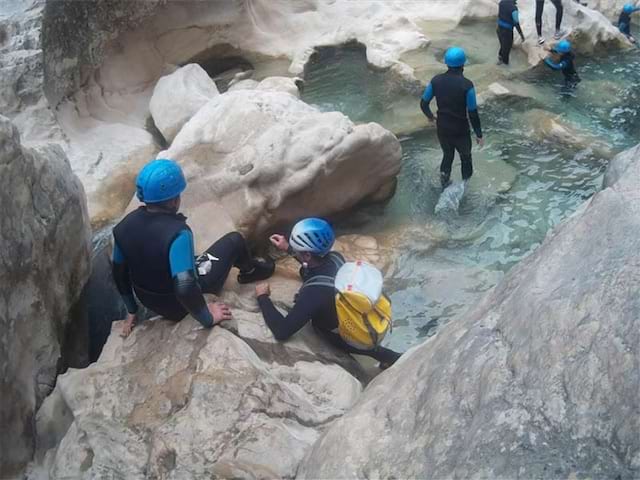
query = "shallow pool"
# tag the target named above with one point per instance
(527, 178)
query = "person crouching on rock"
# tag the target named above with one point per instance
(153, 255)
(562, 58)
(310, 244)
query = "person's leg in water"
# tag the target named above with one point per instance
(448, 153)
(463, 146)
(559, 13)
(505, 35)
(232, 251)
(385, 356)
(539, 11)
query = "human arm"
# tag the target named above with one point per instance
(516, 22)
(474, 117)
(186, 286)
(283, 327)
(122, 279)
(555, 66)
(427, 96)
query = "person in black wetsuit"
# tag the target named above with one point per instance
(455, 96)
(508, 19)
(565, 62)
(310, 243)
(153, 255)
(624, 22)
(559, 12)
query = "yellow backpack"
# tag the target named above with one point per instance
(364, 311)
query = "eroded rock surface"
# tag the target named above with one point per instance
(44, 262)
(255, 160)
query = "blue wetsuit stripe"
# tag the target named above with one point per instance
(181, 253)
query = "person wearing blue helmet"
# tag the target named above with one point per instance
(455, 96)
(563, 59)
(153, 255)
(310, 243)
(508, 19)
(624, 22)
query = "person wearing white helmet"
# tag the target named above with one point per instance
(310, 243)
(153, 255)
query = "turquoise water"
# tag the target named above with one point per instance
(527, 179)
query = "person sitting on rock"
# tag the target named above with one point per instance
(455, 95)
(153, 255)
(563, 59)
(624, 22)
(508, 19)
(310, 243)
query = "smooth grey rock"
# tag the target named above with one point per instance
(44, 262)
(540, 380)
(619, 164)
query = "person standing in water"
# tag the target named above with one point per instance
(559, 12)
(455, 96)
(563, 59)
(508, 19)
(624, 22)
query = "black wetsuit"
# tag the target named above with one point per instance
(508, 19)
(153, 256)
(568, 68)
(455, 96)
(318, 305)
(540, 10)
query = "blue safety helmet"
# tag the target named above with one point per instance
(628, 8)
(312, 235)
(563, 47)
(160, 180)
(455, 57)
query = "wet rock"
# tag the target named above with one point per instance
(178, 97)
(546, 126)
(539, 379)
(43, 266)
(260, 160)
(619, 165)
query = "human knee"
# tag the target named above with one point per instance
(235, 238)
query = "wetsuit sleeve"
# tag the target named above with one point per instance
(472, 107)
(427, 96)
(122, 278)
(556, 66)
(516, 22)
(282, 326)
(185, 281)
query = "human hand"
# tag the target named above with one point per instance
(263, 289)
(280, 242)
(220, 312)
(522, 38)
(480, 141)
(128, 325)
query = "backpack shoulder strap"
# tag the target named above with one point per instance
(319, 281)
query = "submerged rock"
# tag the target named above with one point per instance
(43, 267)
(547, 126)
(539, 379)
(255, 160)
(178, 97)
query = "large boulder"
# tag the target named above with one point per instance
(258, 159)
(43, 266)
(538, 380)
(177, 401)
(178, 97)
